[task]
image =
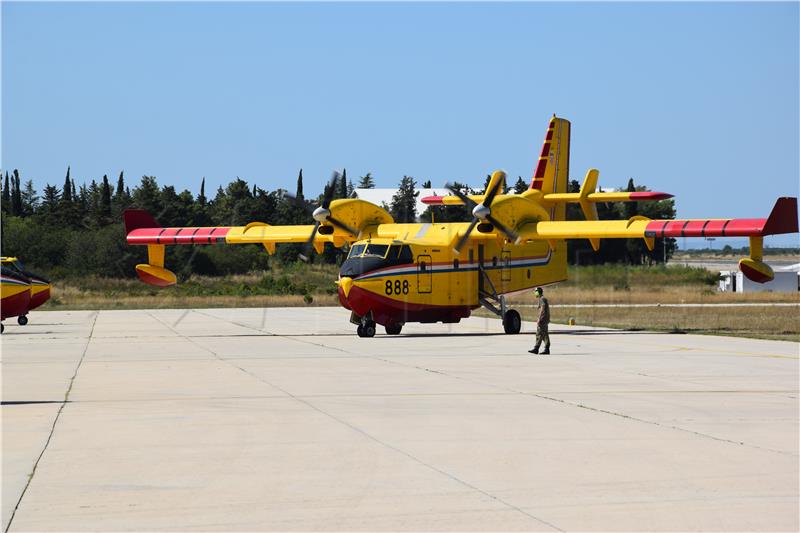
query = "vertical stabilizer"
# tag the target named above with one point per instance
(552, 170)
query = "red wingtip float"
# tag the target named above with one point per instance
(398, 273)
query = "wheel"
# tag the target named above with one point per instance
(22, 320)
(512, 323)
(360, 331)
(393, 329)
(369, 329)
(2, 328)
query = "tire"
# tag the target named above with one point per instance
(369, 329)
(393, 329)
(512, 322)
(360, 331)
(2, 328)
(22, 320)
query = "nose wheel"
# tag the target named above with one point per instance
(367, 329)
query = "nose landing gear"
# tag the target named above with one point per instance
(367, 329)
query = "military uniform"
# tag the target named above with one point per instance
(542, 324)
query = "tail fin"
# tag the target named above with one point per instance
(552, 170)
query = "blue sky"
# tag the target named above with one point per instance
(696, 99)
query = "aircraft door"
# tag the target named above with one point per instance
(424, 274)
(505, 262)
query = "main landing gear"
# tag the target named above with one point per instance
(22, 320)
(496, 303)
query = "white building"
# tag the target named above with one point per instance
(787, 279)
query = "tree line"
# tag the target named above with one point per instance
(76, 230)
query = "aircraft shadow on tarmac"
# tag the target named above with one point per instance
(32, 402)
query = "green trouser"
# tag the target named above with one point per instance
(542, 335)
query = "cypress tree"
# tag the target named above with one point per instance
(520, 186)
(342, 183)
(299, 193)
(16, 197)
(6, 196)
(69, 189)
(105, 199)
(201, 198)
(120, 192)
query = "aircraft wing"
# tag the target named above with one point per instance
(345, 221)
(782, 219)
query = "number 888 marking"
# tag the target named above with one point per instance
(397, 287)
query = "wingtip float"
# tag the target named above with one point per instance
(439, 272)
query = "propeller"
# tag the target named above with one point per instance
(481, 212)
(321, 215)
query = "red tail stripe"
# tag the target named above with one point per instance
(540, 168)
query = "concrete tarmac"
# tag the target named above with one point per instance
(283, 419)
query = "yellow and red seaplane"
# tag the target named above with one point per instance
(440, 272)
(22, 290)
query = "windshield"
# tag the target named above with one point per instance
(378, 250)
(356, 250)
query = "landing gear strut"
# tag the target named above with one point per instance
(496, 303)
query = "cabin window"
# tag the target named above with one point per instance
(356, 250)
(422, 266)
(405, 256)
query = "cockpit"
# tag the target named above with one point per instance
(368, 256)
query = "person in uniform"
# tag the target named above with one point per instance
(542, 323)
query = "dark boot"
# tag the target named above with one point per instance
(535, 350)
(546, 350)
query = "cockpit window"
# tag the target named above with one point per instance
(356, 250)
(378, 250)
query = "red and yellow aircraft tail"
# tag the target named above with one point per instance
(551, 174)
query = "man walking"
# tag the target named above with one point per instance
(542, 323)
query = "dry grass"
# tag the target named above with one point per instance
(569, 294)
(769, 322)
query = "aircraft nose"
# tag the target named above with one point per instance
(346, 283)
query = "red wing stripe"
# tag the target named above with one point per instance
(694, 228)
(178, 235)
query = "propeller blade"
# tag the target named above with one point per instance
(306, 255)
(297, 202)
(511, 234)
(464, 238)
(469, 202)
(342, 225)
(330, 189)
(489, 198)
